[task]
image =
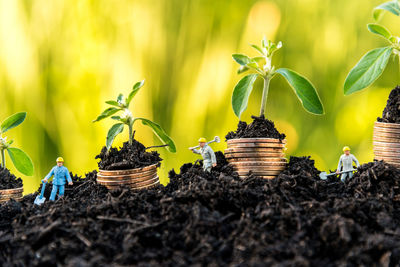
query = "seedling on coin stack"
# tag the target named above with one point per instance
(258, 147)
(10, 186)
(131, 165)
(386, 138)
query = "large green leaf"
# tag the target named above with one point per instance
(391, 6)
(21, 161)
(115, 130)
(160, 133)
(12, 121)
(241, 93)
(134, 91)
(113, 103)
(107, 113)
(304, 90)
(367, 70)
(241, 59)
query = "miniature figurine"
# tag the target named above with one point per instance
(61, 174)
(346, 161)
(209, 159)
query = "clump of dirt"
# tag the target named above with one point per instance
(127, 157)
(258, 128)
(391, 113)
(8, 180)
(213, 218)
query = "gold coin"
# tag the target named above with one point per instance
(127, 172)
(253, 150)
(387, 125)
(386, 130)
(127, 176)
(260, 159)
(257, 163)
(255, 140)
(11, 191)
(260, 176)
(259, 173)
(260, 155)
(256, 145)
(386, 139)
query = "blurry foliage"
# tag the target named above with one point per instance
(59, 60)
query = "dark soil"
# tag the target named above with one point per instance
(391, 113)
(215, 219)
(258, 128)
(127, 157)
(8, 180)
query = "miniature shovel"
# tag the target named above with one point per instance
(39, 200)
(215, 140)
(324, 175)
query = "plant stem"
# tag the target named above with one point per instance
(130, 133)
(3, 158)
(264, 95)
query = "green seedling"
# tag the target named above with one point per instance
(261, 66)
(372, 64)
(127, 119)
(21, 160)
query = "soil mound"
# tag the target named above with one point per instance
(258, 128)
(8, 180)
(391, 113)
(214, 218)
(127, 157)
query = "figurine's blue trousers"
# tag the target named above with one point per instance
(345, 175)
(59, 188)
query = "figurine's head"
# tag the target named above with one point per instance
(202, 142)
(60, 161)
(346, 150)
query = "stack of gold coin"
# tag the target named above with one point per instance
(7, 194)
(386, 142)
(136, 179)
(264, 157)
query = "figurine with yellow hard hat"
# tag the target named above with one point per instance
(346, 161)
(209, 159)
(61, 174)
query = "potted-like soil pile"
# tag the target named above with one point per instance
(256, 148)
(10, 186)
(131, 165)
(386, 138)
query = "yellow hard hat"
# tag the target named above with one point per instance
(346, 148)
(202, 140)
(60, 159)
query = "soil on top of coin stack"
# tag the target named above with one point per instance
(8, 180)
(391, 113)
(127, 157)
(258, 128)
(213, 218)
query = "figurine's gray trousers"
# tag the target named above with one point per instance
(207, 165)
(345, 175)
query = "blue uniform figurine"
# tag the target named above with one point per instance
(61, 174)
(346, 163)
(209, 159)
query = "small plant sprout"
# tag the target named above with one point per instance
(21, 160)
(261, 66)
(372, 64)
(127, 119)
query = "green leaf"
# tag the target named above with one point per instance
(367, 70)
(112, 102)
(107, 113)
(241, 93)
(160, 133)
(115, 130)
(379, 30)
(256, 47)
(242, 69)
(21, 161)
(391, 6)
(135, 90)
(241, 59)
(12, 121)
(120, 99)
(304, 90)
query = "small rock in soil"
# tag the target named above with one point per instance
(258, 128)
(127, 157)
(8, 180)
(391, 113)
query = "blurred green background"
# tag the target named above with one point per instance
(60, 60)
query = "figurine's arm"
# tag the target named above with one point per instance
(68, 176)
(213, 158)
(339, 165)
(196, 151)
(356, 161)
(51, 173)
